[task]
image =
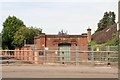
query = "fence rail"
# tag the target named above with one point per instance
(75, 55)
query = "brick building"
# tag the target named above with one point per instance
(48, 40)
(60, 48)
(63, 47)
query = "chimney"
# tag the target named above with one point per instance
(89, 34)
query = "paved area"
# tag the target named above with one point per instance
(58, 71)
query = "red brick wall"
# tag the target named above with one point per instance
(21, 54)
(48, 41)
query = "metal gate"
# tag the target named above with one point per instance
(64, 53)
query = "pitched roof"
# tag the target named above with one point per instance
(105, 35)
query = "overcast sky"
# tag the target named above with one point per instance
(73, 16)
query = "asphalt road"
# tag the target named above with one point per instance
(59, 71)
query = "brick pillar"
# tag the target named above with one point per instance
(15, 53)
(36, 57)
(22, 54)
(84, 54)
(19, 54)
(25, 54)
(83, 43)
(30, 54)
(32, 57)
(42, 41)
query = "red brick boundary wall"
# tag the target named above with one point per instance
(26, 54)
(51, 56)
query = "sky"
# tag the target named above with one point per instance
(73, 16)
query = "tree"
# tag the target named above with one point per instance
(32, 33)
(112, 18)
(20, 36)
(15, 33)
(10, 26)
(107, 20)
(25, 35)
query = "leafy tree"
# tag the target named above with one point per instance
(32, 33)
(25, 35)
(10, 26)
(15, 33)
(20, 36)
(107, 20)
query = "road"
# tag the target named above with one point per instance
(58, 71)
